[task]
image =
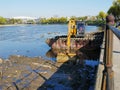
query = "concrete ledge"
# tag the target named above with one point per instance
(100, 69)
(116, 65)
(116, 62)
(99, 77)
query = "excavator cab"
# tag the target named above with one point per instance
(80, 28)
(76, 28)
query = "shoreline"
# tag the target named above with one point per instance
(39, 74)
(11, 25)
(14, 25)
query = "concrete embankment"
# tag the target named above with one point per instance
(116, 65)
(116, 62)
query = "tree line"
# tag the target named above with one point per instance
(92, 20)
(10, 21)
(56, 20)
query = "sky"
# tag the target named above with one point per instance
(49, 8)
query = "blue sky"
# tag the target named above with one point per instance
(49, 8)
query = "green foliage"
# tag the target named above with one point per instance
(102, 15)
(93, 20)
(18, 21)
(84, 18)
(30, 22)
(115, 9)
(3, 20)
(53, 20)
(14, 21)
(43, 21)
(73, 18)
(62, 20)
(96, 22)
(11, 21)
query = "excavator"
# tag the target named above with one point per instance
(76, 29)
(65, 47)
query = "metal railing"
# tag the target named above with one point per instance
(115, 31)
(108, 73)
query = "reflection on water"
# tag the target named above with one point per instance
(82, 54)
(29, 40)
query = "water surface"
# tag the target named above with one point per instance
(29, 40)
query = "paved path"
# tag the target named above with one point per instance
(116, 62)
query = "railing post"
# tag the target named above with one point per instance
(108, 74)
(109, 63)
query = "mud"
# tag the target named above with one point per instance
(25, 73)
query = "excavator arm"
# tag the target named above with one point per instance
(71, 32)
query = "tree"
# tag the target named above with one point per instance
(102, 15)
(62, 20)
(30, 22)
(98, 17)
(18, 21)
(115, 9)
(11, 21)
(84, 18)
(73, 17)
(116, 4)
(54, 20)
(3, 20)
(43, 20)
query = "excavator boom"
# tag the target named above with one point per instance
(71, 32)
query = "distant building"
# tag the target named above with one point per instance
(26, 20)
(68, 18)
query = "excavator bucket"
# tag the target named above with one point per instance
(63, 57)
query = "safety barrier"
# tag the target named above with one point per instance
(108, 73)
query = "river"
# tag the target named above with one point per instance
(29, 40)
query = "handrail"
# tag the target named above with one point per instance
(115, 31)
(108, 73)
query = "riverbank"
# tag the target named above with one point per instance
(8, 25)
(13, 25)
(20, 72)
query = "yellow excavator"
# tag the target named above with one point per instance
(75, 29)
(68, 47)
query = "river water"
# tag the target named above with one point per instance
(29, 40)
